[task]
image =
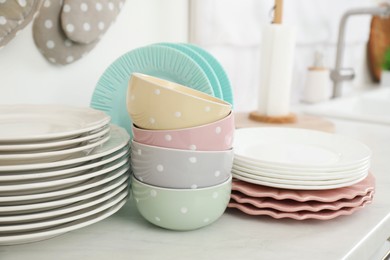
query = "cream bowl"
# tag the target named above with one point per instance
(180, 169)
(181, 209)
(215, 136)
(155, 103)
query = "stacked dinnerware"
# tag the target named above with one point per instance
(183, 63)
(181, 153)
(299, 173)
(61, 168)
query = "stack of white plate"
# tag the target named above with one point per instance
(61, 168)
(292, 158)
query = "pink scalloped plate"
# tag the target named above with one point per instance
(358, 189)
(299, 215)
(289, 205)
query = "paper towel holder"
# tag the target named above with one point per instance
(278, 12)
(255, 115)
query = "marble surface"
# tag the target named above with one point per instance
(126, 235)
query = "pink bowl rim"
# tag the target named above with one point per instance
(230, 116)
(231, 150)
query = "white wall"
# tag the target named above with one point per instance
(26, 77)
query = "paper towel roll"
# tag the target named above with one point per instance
(277, 54)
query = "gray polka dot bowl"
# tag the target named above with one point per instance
(181, 209)
(180, 169)
(158, 104)
(215, 136)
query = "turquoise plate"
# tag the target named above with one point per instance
(159, 61)
(223, 79)
(207, 69)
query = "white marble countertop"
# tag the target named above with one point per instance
(126, 235)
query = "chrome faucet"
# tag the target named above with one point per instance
(339, 74)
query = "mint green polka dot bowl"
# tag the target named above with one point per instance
(181, 209)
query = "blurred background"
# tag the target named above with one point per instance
(229, 29)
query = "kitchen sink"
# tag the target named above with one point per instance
(370, 106)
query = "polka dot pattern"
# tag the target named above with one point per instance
(14, 16)
(90, 18)
(193, 159)
(66, 8)
(22, 3)
(181, 210)
(50, 44)
(172, 168)
(3, 20)
(160, 168)
(49, 37)
(48, 24)
(192, 147)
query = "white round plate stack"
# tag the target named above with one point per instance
(294, 158)
(61, 168)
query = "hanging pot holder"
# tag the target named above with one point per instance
(86, 21)
(14, 16)
(51, 40)
(50, 33)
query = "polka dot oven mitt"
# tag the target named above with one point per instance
(85, 21)
(66, 30)
(14, 16)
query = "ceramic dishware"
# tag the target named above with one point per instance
(181, 169)
(155, 103)
(159, 61)
(215, 136)
(181, 209)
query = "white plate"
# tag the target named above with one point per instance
(31, 185)
(300, 182)
(32, 236)
(95, 182)
(51, 156)
(39, 196)
(118, 139)
(21, 123)
(295, 187)
(56, 144)
(60, 172)
(303, 177)
(300, 174)
(83, 213)
(307, 170)
(293, 147)
(82, 204)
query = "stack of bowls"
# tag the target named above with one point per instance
(181, 153)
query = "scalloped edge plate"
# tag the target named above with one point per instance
(294, 206)
(299, 215)
(358, 189)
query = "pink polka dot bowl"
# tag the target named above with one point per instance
(180, 169)
(158, 104)
(215, 136)
(181, 209)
